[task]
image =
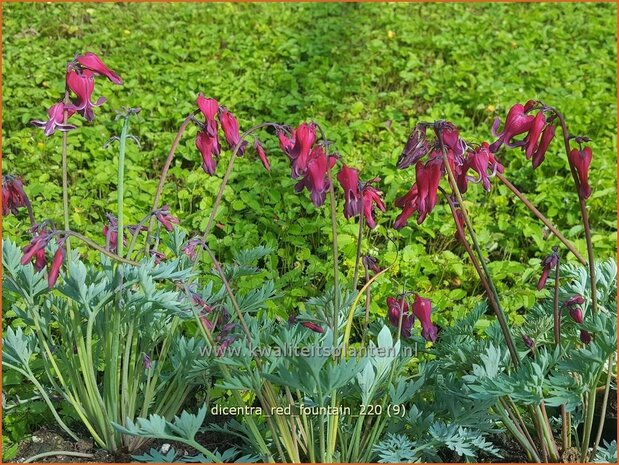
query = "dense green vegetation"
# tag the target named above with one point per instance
(366, 72)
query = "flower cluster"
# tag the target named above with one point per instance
(400, 309)
(13, 195)
(207, 139)
(360, 197)
(539, 130)
(35, 250)
(429, 157)
(308, 160)
(80, 84)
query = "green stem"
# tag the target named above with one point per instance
(600, 430)
(542, 218)
(583, 212)
(65, 172)
(55, 453)
(121, 184)
(355, 280)
(502, 319)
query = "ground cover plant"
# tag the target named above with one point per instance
(187, 292)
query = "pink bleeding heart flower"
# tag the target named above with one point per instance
(585, 336)
(36, 249)
(574, 300)
(408, 204)
(530, 343)
(55, 119)
(209, 108)
(209, 150)
(166, 219)
(517, 122)
(479, 161)
(190, 249)
(146, 361)
(82, 84)
(158, 256)
(13, 194)
(428, 177)
(230, 125)
(57, 261)
(92, 62)
(540, 153)
(371, 197)
(313, 326)
(422, 310)
(370, 264)
(315, 179)
(548, 264)
(416, 147)
(349, 180)
(262, 154)
(530, 142)
(576, 314)
(580, 160)
(399, 308)
(301, 151)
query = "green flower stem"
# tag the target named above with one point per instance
(65, 171)
(502, 319)
(522, 440)
(93, 245)
(164, 171)
(583, 212)
(565, 423)
(122, 142)
(56, 453)
(355, 280)
(227, 174)
(542, 218)
(600, 430)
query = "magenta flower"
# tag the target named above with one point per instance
(408, 204)
(13, 195)
(422, 310)
(286, 143)
(517, 122)
(209, 149)
(574, 300)
(158, 256)
(585, 336)
(549, 263)
(349, 180)
(110, 231)
(230, 125)
(301, 152)
(370, 264)
(209, 108)
(461, 224)
(315, 179)
(416, 147)
(479, 161)
(146, 361)
(540, 153)
(530, 142)
(370, 199)
(576, 314)
(191, 247)
(313, 326)
(36, 249)
(82, 84)
(57, 261)
(55, 119)
(262, 154)
(165, 218)
(428, 177)
(92, 62)
(580, 160)
(400, 308)
(530, 343)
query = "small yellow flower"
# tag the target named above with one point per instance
(390, 34)
(490, 108)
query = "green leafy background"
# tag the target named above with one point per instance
(368, 73)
